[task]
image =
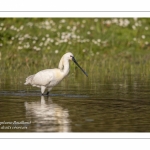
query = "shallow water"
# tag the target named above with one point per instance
(112, 106)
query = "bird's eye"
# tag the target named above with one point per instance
(71, 56)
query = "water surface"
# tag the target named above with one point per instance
(94, 106)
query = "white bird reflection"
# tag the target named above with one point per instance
(47, 116)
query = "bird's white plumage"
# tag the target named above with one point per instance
(50, 77)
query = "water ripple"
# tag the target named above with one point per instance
(24, 93)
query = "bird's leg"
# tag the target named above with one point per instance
(48, 91)
(43, 89)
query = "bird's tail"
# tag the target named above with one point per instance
(29, 79)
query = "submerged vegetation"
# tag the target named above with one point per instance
(109, 48)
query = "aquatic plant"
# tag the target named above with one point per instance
(109, 48)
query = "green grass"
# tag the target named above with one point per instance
(107, 47)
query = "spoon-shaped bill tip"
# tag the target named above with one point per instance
(73, 59)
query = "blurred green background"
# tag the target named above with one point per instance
(113, 47)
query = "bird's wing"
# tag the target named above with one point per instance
(43, 77)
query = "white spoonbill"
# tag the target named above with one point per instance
(47, 79)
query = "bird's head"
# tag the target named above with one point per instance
(70, 56)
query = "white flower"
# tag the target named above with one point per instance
(51, 40)
(115, 20)
(56, 43)
(65, 40)
(95, 20)
(91, 28)
(78, 37)
(62, 21)
(88, 32)
(68, 27)
(12, 27)
(133, 27)
(43, 38)
(135, 19)
(74, 28)
(21, 27)
(2, 24)
(83, 21)
(83, 50)
(21, 38)
(82, 26)
(56, 51)
(41, 44)
(99, 40)
(134, 39)
(126, 22)
(136, 24)
(27, 36)
(108, 22)
(19, 47)
(36, 48)
(143, 36)
(47, 35)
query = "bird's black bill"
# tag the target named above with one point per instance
(79, 66)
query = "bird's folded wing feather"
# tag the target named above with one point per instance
(43, 77)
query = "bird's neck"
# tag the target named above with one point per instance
(64, 66)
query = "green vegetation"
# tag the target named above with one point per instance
(104, 47)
